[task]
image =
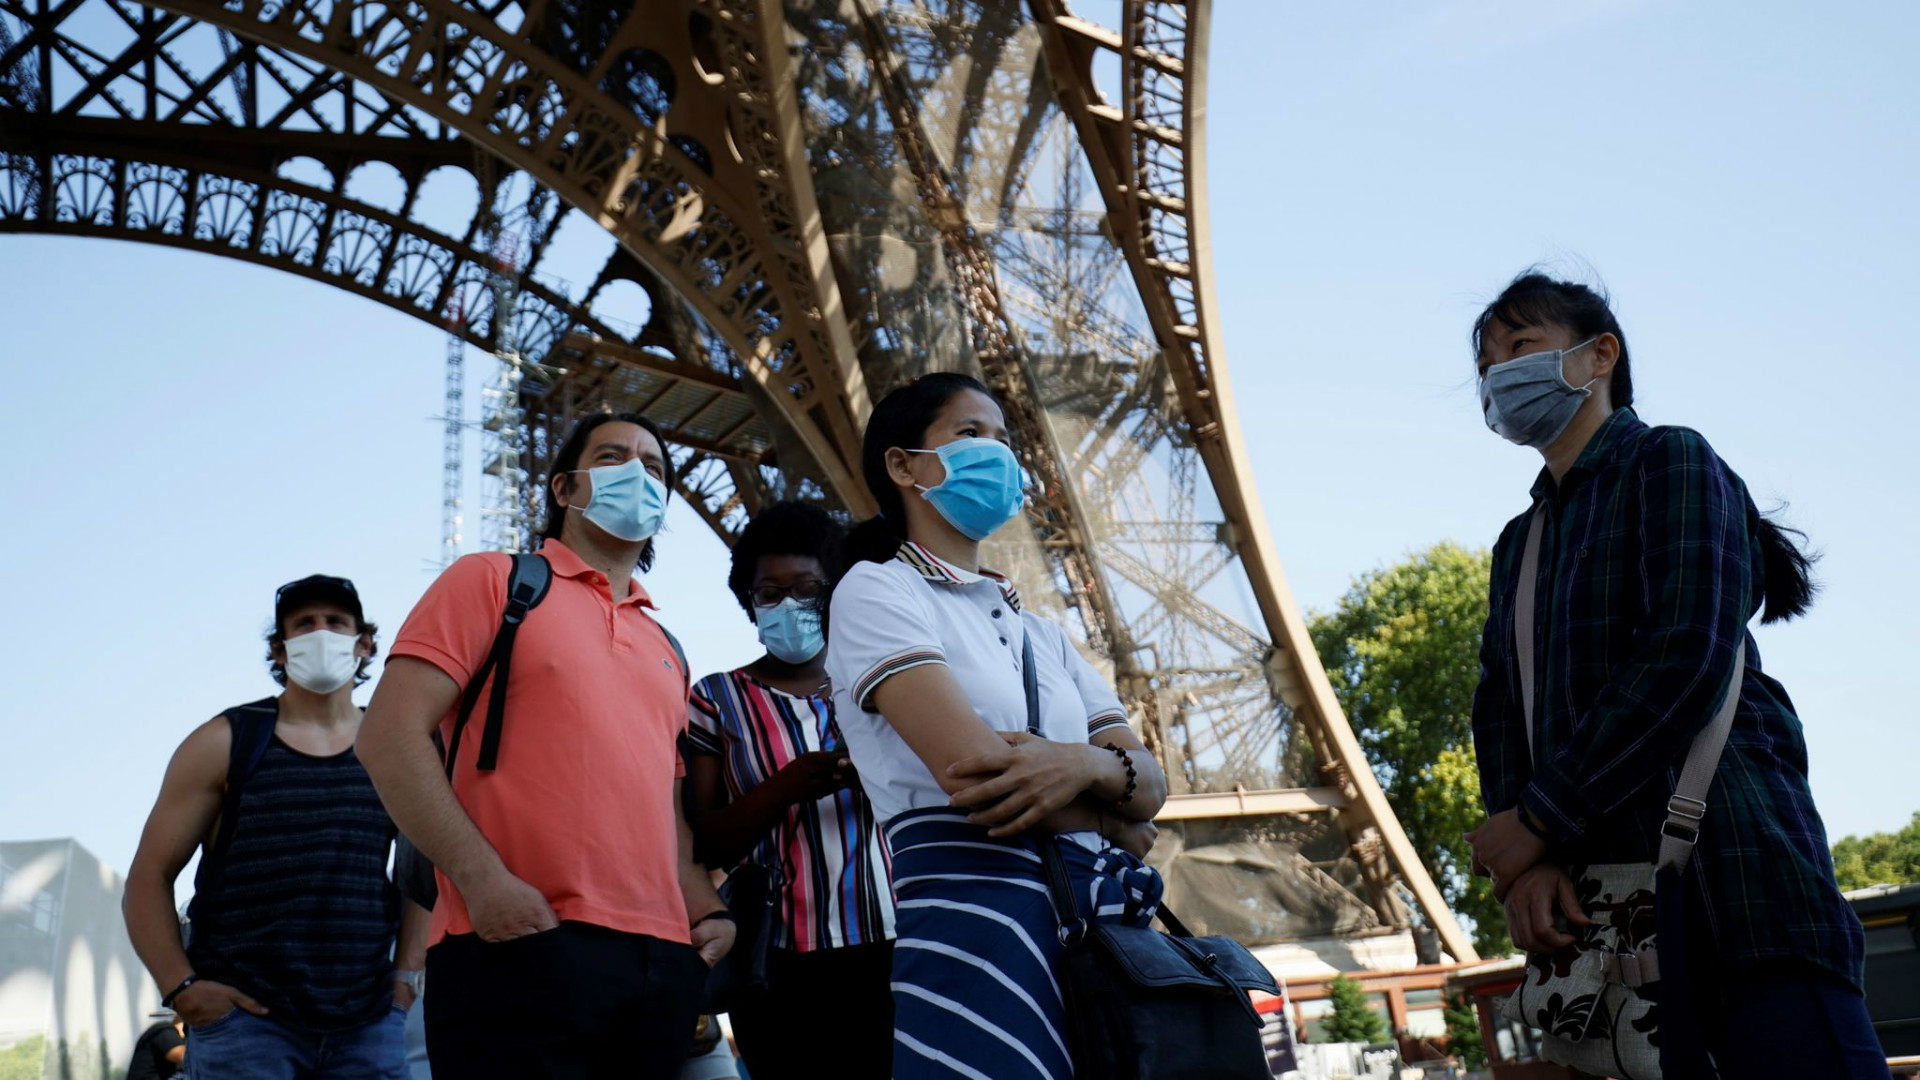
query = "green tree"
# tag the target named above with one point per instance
(24, 1060)
(1881, 859)
(1352, 1021)
(1403, 651)
(1464, 1040)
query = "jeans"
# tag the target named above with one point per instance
(417, 1066)
(242, 1046)
(578, 1002)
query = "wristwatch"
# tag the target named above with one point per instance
(415, 980)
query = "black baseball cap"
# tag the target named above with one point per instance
(318, 588)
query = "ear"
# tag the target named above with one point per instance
(561, 483)
(898, 470)
(363, 648)
(1606, 353)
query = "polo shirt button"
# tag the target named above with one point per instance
(1003, 641)
(996, 613)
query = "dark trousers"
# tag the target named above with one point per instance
(579, 1002)
(826, 1012)
(1792, 1021)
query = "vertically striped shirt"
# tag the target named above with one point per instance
(828, 851)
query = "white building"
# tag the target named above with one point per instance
(73, 996)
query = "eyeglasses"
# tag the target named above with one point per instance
(810, 591)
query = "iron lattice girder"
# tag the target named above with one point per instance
(81, 176)
(1056, 514)
(1148, 157)
(207, 130)
(711, 192)
(694, 405)
(722, 218)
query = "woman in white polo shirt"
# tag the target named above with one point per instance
(925, 658)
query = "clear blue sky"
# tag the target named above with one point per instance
(184, 433)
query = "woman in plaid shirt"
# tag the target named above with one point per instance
(1653, 560)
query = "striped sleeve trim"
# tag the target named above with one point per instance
(864, 686)
(706, 742)
(1100, 722)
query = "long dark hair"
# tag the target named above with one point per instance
(901, 419)
(568, 459)
(1535, 299)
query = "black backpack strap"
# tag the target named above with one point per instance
(251, 730)
(527, 585)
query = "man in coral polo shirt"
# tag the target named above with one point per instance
(573, 931)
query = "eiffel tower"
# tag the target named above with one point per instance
(817, 200)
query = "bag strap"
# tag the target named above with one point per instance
(1061, 889)
(1066, 910)
(527, 584)
(251, 729)
(1064, 904)
(1688, 805)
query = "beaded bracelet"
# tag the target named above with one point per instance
(1133, 779)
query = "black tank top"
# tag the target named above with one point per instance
(301, 915)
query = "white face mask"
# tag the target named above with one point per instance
(323, 661)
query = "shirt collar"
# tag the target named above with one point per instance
(569, 565)
(939, 571)
(1614, 430)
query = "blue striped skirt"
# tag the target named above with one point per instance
(974, 987)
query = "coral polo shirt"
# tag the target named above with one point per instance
(580, 805)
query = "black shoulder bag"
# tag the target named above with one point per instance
(752, 893)
(1143, 1005)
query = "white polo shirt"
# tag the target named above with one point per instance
(915, 609)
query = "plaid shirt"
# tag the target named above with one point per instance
(1650, 568)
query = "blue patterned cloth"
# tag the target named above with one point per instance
(975, 986)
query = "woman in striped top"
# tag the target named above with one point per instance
(771, 784)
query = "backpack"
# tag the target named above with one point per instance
(527, 584)
(252, 729)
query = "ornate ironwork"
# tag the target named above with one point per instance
(818, 196)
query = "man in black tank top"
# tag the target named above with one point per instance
(289, 968)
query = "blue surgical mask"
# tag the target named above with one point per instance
(790, 630)
(1527, 400)
(985, 486)
(627, 501)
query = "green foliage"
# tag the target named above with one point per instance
(1464, 1040)
(1403, 652)
(1352, 1021)
(1881, 859)
(24, 1060)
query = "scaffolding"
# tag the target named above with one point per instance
(507, 518)
(453, 443)
(510, 220)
